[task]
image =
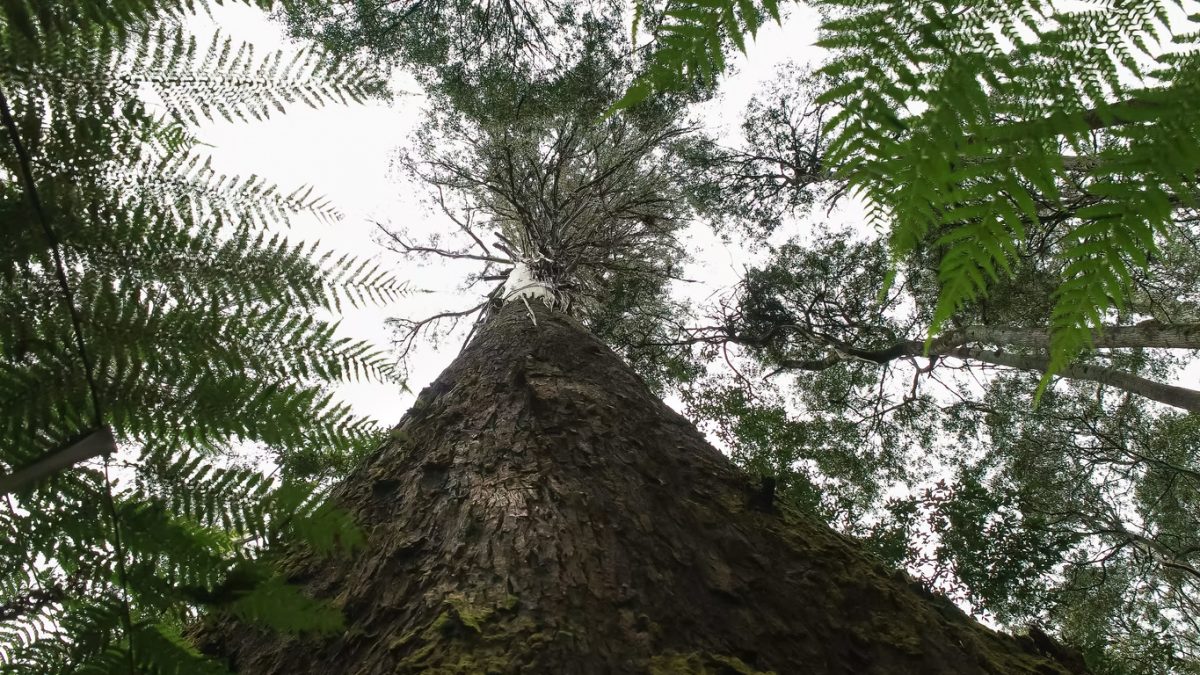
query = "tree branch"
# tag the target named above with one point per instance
(1149, 334)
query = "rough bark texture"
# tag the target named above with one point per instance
(539, 511)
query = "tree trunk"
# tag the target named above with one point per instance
(1179, 397)
(1141, 335)
(1148, 334)
(539, 511)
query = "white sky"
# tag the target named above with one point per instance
(344, 152)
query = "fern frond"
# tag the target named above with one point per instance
(690, 44)
(185, 294)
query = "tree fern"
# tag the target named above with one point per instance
(203, 331)
(690, 43)
(962, 124)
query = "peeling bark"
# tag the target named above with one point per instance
(539, 511)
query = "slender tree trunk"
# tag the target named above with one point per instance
(539, 511)
(1182, 336)
(1149, 334)
(1179, 397)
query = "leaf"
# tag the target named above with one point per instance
(636, 93)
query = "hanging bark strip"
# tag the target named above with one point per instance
(539, 511)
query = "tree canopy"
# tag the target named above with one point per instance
(978, 381)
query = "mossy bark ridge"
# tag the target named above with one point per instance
(540, 511)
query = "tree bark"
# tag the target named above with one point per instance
(540, 511)
(1179, 397)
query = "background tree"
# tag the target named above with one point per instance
(143, 299)
(776, 173)
(865, 410)
(1102, 476)
(961, 125)
(806, 317)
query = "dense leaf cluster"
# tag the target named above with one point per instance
(964, 125)
(143, 291)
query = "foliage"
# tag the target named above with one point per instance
(965, 125)
(776, 173)
(591, 208)
(690, 46)
(822, 464)
(1118, 488)
(472, 53)
(180, 294)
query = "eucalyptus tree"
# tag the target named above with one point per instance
(967, 132)
(143, 300)
(540, 510)
(538, 484)
(588, 209)
(868, 405)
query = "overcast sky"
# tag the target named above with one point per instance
(345, 153)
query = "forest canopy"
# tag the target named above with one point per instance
(988, 376)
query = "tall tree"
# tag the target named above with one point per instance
(561, 212)
(591, 210)
(975, 170)
(540, 510)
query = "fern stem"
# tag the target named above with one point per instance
(59, 268)
(122, 574)
(26, 176)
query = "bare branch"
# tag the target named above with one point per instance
(402, 246)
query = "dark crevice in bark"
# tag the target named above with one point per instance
(539, 511)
